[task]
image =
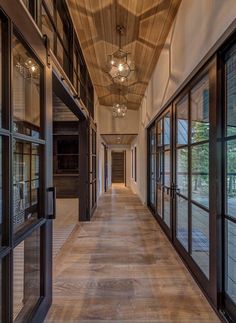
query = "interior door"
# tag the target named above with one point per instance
(118, 172)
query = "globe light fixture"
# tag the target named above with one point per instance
(119, 109)
(119, 63)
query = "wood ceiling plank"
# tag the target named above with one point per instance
(147, 24)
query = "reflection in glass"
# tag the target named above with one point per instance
(200, 238)
(25, 183)
(200, 111)
(167, 129)
(200, 174)
(26, 91)
(231, 178)
(230, 275)
(47, 28)
(231, 93)
(0, 74)
(153, 140)
(159, 133)
(1, 192)
(26, 276)
(152, 178)
(159, 201)
(166, 206)
(167, 168)
(182, 171)
(182, 221)
(182, 121)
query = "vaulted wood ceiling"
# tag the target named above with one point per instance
(147, 24)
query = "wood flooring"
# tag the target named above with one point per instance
(120, 267)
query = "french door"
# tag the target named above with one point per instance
(163, 170)
(25, 230)
(182, 163)
(229, 181)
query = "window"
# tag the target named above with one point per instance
(26, 91)
(26, 276)
(135, 164)
(26, 184)
(230, 175)
(56, 24)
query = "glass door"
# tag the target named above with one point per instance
(25, 231)
(229, 214)
(164, 170)
(192, 194)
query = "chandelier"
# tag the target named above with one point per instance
(119, 109)
(119, 63)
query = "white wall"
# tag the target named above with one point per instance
(108, 124)
(197, 27)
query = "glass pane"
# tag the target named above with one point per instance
(200, 174)
(47, 28)
(152, 178)
(1, 192)
(153, 140)
(230, 275)
(26, 91)
(159, 201)
(182, 221)
(167, 129)
(182, 171)
(166, 208)
(167, 168)
(26, 276)
(50, 6)
(231, 94)
(200, 111)
(182, 122)
(231, 179)
(200, 238)
(159, 133)
(0, 74)
(25, 183)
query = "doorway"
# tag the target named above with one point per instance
(118, 166)
(65, 171)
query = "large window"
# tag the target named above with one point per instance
(56, 24)
(26, 90)
(230, 175)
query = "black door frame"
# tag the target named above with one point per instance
(214, 63)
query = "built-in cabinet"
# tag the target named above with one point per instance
(66, 158)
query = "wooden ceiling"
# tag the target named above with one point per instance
(147, 24)
(112, 139)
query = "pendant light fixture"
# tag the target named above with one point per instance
(119, 63)
(119, 109)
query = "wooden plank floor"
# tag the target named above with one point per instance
(121, 267)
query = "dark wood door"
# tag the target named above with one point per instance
(118, 167)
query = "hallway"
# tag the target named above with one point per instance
(121, 267)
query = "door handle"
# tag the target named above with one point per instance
(51, 203)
